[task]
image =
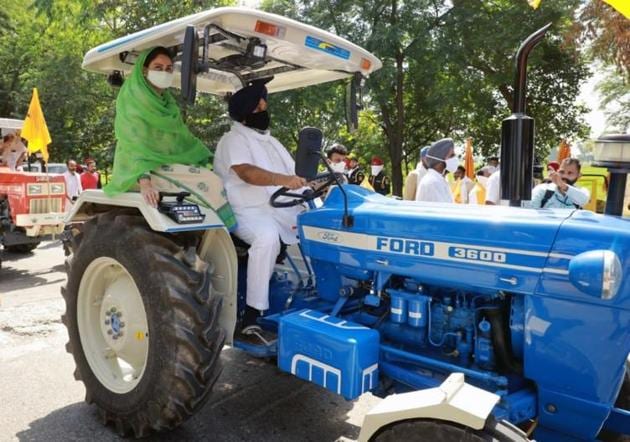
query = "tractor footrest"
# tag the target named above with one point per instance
(329, 351)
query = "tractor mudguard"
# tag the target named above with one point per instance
(453, 401)
(92, 202)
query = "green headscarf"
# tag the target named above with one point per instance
(150, 132)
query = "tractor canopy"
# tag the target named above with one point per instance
(237, 45)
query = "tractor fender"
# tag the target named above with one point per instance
(216, 247)
(454, 401)
(92, 202)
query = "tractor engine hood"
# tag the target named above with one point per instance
(480, 248)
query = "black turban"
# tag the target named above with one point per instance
(243, 102)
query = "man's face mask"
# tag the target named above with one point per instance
(376, 169)
(259, 120)
(339, 167)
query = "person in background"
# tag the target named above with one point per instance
(494, 162)
(478, 193)
(433, 186)
(73, 182)
(561, 193)
(462, 185)
(13, 151)
(90, 178)
(414, 177)
(378, 180)
(336, 156)
(354, 172)
(493, 189)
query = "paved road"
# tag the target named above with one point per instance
(40, 400)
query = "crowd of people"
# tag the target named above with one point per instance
(428, 182)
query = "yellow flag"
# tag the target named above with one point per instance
(469, 162)
(35, 129)
(622, 6)
(534, 3)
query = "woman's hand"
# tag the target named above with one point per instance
(149, 193)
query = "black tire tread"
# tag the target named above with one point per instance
(192, 325)
(413, 430)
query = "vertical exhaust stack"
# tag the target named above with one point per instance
(517, 132)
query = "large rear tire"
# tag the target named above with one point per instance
(143, 323)
(417, 430)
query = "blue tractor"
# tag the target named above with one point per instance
(473, 323)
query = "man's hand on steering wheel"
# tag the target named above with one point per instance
(318, 187)
(289, 181)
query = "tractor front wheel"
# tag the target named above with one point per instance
(143, 323)
(435, 430)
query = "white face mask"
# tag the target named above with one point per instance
(482, 180)
(160, 79)
(451, 163)
(339, 167)
(376, 170)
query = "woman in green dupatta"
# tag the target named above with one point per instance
(152, 140)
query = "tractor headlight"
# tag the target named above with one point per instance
(57, 188)
(612, 275)
(35, 189)
(596, 273)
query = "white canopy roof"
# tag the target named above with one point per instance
(298, 55)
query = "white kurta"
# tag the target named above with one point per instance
(434, 188)
(493, 188)
(73, 186)
(258, 224)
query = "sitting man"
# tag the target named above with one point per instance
(561, 192)
(253, 165)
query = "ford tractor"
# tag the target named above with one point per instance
(476, 323)
(32, 205)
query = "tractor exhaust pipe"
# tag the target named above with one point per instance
(517, 132)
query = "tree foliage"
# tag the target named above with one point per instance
(447, 71)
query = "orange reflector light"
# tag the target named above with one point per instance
(365, 64)
(267, 28)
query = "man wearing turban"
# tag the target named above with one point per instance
(253, 165)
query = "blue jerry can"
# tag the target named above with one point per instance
(331, 352)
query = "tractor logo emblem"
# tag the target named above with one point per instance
(329, 236)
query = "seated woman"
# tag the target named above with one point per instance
(154, 148)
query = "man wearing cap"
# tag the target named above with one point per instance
(433, 186)
(378, 180)
(354, 173)
(414, 177)
(253, 165)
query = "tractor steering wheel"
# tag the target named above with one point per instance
(318, 187)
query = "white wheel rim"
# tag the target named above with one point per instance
(112, 325)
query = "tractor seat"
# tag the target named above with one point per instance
(242, 249)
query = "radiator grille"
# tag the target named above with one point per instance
(45, 205)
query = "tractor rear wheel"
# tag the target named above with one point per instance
(442, 431)
(143, 323)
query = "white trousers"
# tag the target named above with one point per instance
(263, 234)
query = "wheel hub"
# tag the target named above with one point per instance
(109, 306)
